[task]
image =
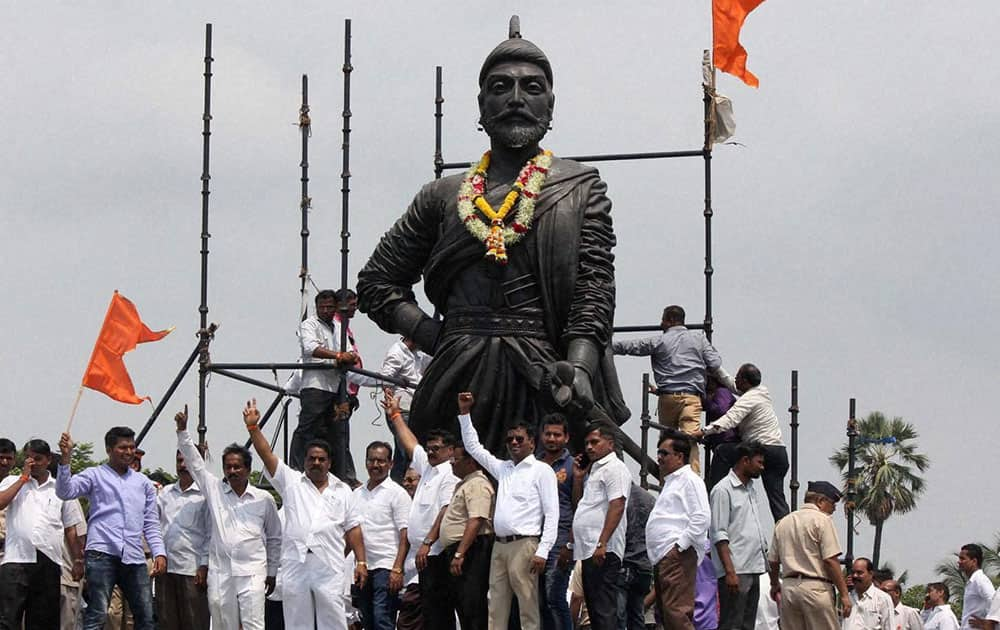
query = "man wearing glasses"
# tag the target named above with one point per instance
(805, 552)
(525, 521)
(676, 532)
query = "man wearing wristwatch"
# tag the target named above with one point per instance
(434, 491)
(467, 537)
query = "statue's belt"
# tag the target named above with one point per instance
(496, 324)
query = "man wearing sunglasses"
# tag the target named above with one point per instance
(525, 520)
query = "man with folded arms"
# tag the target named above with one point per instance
(245, 545)
(181, 597)
(123, 514)
(526, 518)
(37, 521)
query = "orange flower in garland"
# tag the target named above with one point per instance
(523, 193)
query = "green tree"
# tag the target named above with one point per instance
(82, 457)
(886, 468)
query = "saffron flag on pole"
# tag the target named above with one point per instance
(121, 332)
(729, 55)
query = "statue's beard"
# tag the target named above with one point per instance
(515, 132)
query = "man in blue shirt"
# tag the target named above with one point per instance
(555, 580)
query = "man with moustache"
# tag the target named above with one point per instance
(939, 615)
(525, 520)
(871, 607)
(384, 508)
(555, 581)
(181, 593)
(431, 499)
(245, 545)
(321, 514)
(740, 546)
(123, 516)
(906, 618)
(516, 256)
(38, 521)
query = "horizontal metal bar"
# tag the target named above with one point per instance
(251, 381)
(606, 157)
(651, 328)
(217, 367)
(655, 425)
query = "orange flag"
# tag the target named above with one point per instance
(122, 330)
(729, 55)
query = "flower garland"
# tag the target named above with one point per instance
(523, 192)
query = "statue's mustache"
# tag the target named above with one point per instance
(524, 115)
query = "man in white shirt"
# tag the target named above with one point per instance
(431, 499)
(598, 535)
(871, 607)
(906, 618)
(526, 518)
(181, 597)
(753, 415)
(319, 340)
(245, 544)
(403, 360)
(385, 510)
(940, 616)
(676, 533)
(740, 547)
(8, 452)
(979, 589)
(992, 619)
(320, 514)
(37, 521)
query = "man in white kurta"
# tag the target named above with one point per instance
(320, 513)
(245, 545)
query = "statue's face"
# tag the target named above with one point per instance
(515, 104)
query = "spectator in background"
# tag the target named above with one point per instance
(939, 615)
(717, 401)
(385, 510)
(638, 572)
(738, 536)
(871, 607)
(753, 416)
(676, 533)
(467, 537)
(680, 360)
(410, 617)
(403, 360)
(979, 589)
(37, 523)
(432, 496)
(245, 544)
(555, 581)
(181, 592)
(123, 514)
(906, 618)
(526, 518)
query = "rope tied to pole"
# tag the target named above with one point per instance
(305, 122)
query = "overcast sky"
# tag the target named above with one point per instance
(853, 230)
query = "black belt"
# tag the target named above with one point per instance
(510, 539)
(525, 324)
(799, 576)
(663, 392)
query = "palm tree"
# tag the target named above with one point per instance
(885, 458)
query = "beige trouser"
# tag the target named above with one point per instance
(683, 412)
(808, 605)
(510, 575)
(69, 607)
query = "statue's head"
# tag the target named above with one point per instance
(515, 92)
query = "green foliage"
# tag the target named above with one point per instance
(887, 467)
(82, 457)
(257, 479)
(914, 596)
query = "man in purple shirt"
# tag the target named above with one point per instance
(122, 513)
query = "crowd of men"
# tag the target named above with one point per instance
(445, 534)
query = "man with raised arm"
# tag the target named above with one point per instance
(320, 513)
(526, 518)
(245, 547)
(122, 513)
(433, 494)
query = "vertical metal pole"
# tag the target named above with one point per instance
(852, 438)
(707, 154)
(345, 176)
(305, 203)
(204, 335)
(643, 469)
(284, 429)
(438, 115)
(794, 410)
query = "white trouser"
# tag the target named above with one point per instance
(312, 592)
(236, 599)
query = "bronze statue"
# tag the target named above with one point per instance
(516, 256)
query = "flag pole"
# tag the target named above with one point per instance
(76, 403)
